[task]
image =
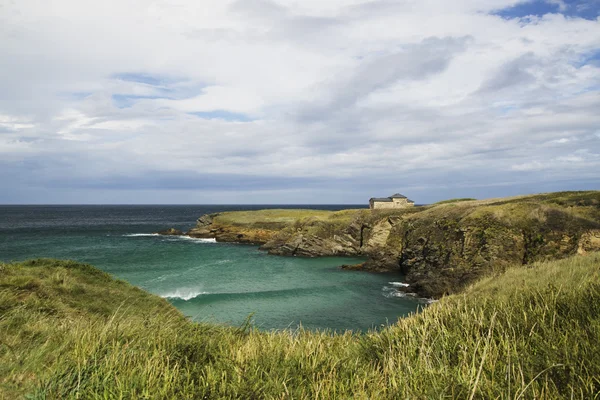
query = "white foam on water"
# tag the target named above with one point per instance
(172, 237)
(399, 284)
(183, 294)
(395, 293)
(159, 279)
(390, 294)
(392, 291)
(192, 239)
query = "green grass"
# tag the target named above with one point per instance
(68, 330)
(275, 215)
(316, 221)
(455, 200)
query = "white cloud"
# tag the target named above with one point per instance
(380, 92)
(13, 123)
(560, 141)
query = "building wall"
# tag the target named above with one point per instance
(401, 202)
(396, 203)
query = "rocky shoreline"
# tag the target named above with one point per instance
(439, 248)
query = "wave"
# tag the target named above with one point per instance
(207, 297)
(192, 239)
(184, 294)
(172, 237)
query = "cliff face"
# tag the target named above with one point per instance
(440, 248)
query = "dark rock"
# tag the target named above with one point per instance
(203, 228)
(205, 220)
(353, 267)
(171, 232)
(305, 245)
(382, 262)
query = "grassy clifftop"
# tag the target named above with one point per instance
(263, 226)
(68, 330)
(440, 248)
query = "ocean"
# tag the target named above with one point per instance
(221, 283)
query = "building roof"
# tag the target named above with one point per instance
(397, 196)
(381, 199)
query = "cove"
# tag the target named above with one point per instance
(212, 282)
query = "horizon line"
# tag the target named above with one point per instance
(183, 204)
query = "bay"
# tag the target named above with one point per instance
(207, 281)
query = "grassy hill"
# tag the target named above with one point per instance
(68, 330)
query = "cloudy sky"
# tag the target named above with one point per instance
(296, 101)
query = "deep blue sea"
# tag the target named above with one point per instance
(207, 281)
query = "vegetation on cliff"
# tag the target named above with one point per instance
(68, 330)
(440, 248)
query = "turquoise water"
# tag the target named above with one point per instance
(207, 281)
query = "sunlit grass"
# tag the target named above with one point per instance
(455, 200)
(270, 216)
(70, 331)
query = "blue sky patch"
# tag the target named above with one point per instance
(535, 8)
(148, 79)
(127, 100)
(224, 115)
(588, 9)
(506, 109)
(595, 88)
(592, 58)
(163, 87)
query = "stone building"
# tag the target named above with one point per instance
(394, 201)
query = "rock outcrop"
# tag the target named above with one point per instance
(589, 241)
(203, 228)
(171, 232)
(439, 248)
(208, 226)
(310, 245)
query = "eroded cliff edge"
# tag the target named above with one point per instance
(440, 248)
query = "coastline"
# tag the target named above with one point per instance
(440, 248)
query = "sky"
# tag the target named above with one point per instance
(296, 101)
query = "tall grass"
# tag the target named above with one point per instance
(70, 331)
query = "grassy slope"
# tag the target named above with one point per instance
(455, 200)
(68, 330)
(282, 218)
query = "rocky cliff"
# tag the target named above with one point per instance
(440, 248)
